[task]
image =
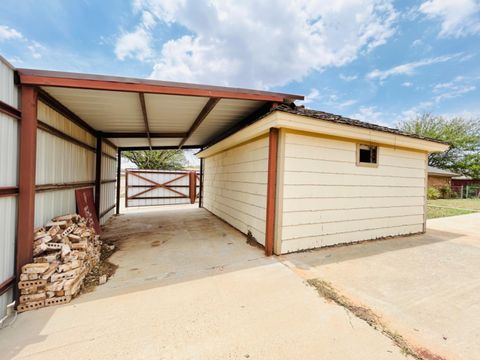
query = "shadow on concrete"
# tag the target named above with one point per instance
(340, 253)
(154, 249)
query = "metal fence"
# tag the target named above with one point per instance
(459, 192)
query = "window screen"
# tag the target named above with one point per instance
(367, 154)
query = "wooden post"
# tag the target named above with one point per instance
(98, 174)
(119, 165)
(26, 183)
(271, 190)
(192, 186)
(200, 192)
(126, 188)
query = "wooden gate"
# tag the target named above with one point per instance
(160, 187)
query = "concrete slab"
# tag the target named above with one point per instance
(189, 287)
(426, 287)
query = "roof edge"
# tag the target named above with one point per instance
(35, 77)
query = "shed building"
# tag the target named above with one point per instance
(334, 180)
(291, 178)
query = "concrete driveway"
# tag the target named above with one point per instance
(426, 287)
(189, 287)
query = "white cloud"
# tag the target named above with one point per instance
(313, 96)
(453, 89)
(369, 114)
(251, 43)
(326, 98)
(407, 84)
(136, 44)
(8, 33)
(458, 17)
(409, 68)
(348, 77)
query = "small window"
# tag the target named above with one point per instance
(367, 154)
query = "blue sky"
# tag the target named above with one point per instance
(375, 60)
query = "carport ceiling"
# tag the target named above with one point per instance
(150, 113)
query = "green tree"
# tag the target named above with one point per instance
(157, 159)
(463, 135)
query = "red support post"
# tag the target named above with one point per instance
(193, 186)
(26, 183)
(98, 174)
(271, 191)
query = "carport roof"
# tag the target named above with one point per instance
(138, 113)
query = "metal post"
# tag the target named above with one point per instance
(26, 183)
(192, 186)
(98, 174)
(119, 165)
(271, 191)
(200, 192)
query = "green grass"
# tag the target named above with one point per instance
(451, 207)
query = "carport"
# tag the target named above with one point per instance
(94, 118)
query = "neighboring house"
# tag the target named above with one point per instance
(337, 180)
(439, 178)
(464, 181)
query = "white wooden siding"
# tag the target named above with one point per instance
(327, 199)
(235, 186)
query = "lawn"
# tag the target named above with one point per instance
(450, 207)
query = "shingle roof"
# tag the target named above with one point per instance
(436, 171)
(300, 110)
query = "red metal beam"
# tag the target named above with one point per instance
(119, 165)
(98, 175)
(26, 183)
(10, 110)
(8, 191)
(7, 284)
(193, 186)
(271, 191)
(203, 114)
(63, 186)
(130, 135)
(145, 117)
(112, 83)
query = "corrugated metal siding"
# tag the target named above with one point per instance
(8, 91)
(60, 161)
(328, 199)
(9, 128)
(60, 122)
(8, 222)
(53, 203)
(8, 177)
(108, 190)
(235, 187)
(5, 299)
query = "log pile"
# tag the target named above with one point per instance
(64, 250)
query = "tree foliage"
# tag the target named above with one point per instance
(157, 159)
(463, 135)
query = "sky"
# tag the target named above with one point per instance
(379, 61)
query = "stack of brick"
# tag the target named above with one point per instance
(64, 251)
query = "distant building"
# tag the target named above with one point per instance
(439, 178)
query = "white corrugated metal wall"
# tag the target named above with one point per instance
(108, 187)
(8, 178)
(60, 162)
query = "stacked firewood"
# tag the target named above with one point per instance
(64, 251)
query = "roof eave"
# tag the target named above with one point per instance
(114, 83)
